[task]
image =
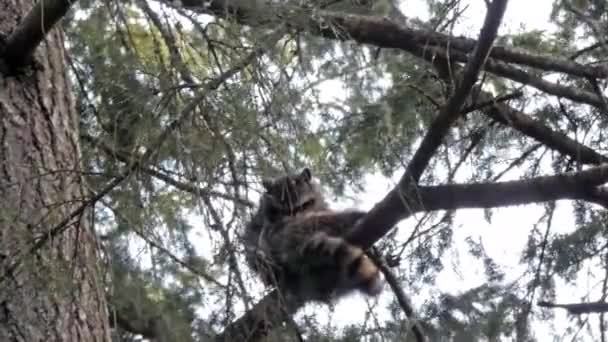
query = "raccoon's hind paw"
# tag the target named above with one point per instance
(372, 283)
(365, 274)
(358, 270)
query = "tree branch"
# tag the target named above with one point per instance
(513, 73)
(377, 31)
(402, 298)
(438, 129)
(405, 200)
(23, 41)
(363, 234)
(398, 205)
(134, 165)
(187, 187)
(578, 308)
(255, 323)
(533, 128)
(541, 133)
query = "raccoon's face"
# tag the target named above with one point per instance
(292, 194)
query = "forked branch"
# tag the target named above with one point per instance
(400, 205)
(369, 229)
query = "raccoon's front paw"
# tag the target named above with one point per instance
(321, 244)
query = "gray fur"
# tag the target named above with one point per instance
(294, 242)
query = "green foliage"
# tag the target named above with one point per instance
(536, 40)
(171, 230)
(152, 310)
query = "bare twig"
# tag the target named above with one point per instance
(402, 298)
(165, 251)
(187, 187)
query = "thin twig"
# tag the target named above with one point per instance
(136, 164)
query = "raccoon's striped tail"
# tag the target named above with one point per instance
(355, 269)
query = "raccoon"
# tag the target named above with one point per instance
(295, 243)
(284, 197)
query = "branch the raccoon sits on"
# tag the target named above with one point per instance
(294, 242)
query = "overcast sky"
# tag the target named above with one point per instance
(503, 239)
(507, 234)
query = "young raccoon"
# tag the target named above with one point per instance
(295, 243)
(285, 196)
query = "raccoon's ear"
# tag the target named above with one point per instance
(267, 184)
(306, 175)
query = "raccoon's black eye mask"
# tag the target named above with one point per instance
(272, 189)
(300, 207)
(288, 210)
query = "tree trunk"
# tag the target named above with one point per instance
(51, 292)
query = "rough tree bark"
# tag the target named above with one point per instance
(52, 292)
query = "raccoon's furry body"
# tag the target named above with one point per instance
(295, 242)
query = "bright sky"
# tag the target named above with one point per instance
(503, 239)
(507, 234)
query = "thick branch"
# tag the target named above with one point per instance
(378, 31)
(440, 126)
(513, 73)
(501, 194)
(23, 41)
(398, 205)
(578, 308)
(541, 133)
(406, 199)
(255, 323)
